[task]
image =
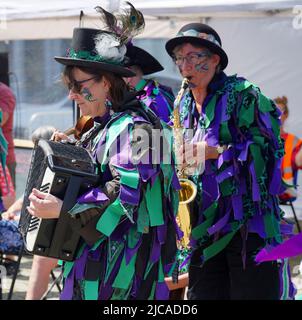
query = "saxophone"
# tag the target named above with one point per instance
(188, 190)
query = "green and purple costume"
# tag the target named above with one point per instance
(239, 189)
(157, 97)
(130, 244)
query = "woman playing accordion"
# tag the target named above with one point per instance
(127, 223)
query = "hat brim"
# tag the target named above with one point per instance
(119, 70)
(144, 60)
(174, 42)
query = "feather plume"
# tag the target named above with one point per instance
(125, 25)
(122, 28)
(133, 23)
(108, 19)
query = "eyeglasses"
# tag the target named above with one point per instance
(191, 58)
(76, 86)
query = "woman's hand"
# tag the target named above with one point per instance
(59, 136)
(44, 205)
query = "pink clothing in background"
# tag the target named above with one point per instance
(7, 104)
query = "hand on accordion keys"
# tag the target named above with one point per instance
(60, 136)
(44, 205)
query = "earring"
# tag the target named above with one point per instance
(108, 103)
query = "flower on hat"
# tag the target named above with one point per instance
(109, 47)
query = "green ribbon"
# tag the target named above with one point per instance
(258, 160)
(113, 132)
(86, 55)
(129, 178)
(210, 111)
(81, 207)
(243, 85)
(111, 260)
(265, 104)
(152, 292)
(246, 116)
(226, 187)
(218, 245)
(125, 274)
(201, 230)
(140, 85)
(91, 290)
(271, 225)
(110, 218)
(154, 204)
(143, 218)
(225, 133)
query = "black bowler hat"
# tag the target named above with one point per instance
(139, 57)
(99, 49)
(202, 35)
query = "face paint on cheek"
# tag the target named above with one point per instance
(192, 85)
(87, 95)
(203, 67)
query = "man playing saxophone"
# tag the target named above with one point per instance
(235, 211)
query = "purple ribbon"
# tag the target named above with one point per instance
(256, 225)
(106, 289)
(67, 292)
(225, 157)
(287, 249)
(129, 253)
(130, 195)
(146, 171)
(225, 174)
(162, 291)
(155, 252)
(265, 119)
(275, 184)
(237, 206)
(219, 224)
(244, 152)
(256, 190)
(80, 263)
(94, 195)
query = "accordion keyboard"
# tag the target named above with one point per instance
(35, 222)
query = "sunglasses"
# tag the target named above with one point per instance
(76, 86)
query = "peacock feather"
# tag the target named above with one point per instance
(125, 25)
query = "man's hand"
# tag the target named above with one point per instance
(44, 205)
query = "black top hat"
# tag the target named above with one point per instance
(98, 49)
(202, 35)
(139, 57)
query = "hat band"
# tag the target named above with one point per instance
(201, 35)
(86, 55)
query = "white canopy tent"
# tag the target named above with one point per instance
(263, 39)
(42, 19)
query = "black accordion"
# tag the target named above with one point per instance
(65, 171)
